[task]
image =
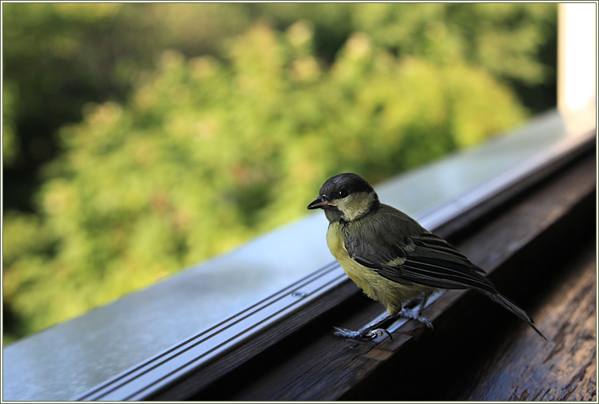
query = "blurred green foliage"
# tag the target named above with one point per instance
(227, 135)
(9, 148)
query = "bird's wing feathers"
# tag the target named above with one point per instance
(399, 249)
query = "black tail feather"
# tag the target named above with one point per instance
(521, 314)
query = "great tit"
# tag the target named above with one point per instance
(393, 259)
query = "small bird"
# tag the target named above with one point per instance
(393, 259)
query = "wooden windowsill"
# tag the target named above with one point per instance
(167, 341)
(512, 234)
(517, 243)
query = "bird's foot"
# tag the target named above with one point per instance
(414, 314)
(365, 333)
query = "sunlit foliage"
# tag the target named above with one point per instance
(229, 136)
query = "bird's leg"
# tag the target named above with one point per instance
(375, 327)
(369, 331)
(413, 313)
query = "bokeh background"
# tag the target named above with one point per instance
(139, 139)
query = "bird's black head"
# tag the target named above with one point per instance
(345, 197)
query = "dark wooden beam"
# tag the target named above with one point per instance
(519, 368)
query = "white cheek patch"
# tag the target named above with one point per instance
(354, 205)
(343, 203)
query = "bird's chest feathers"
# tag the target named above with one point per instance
(390, 293)
(335, 243)
(358, 273)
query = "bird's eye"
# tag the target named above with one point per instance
(342, 193)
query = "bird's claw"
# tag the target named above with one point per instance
(347, 333)
(425, 321)
(379, 332)
(361, 334)
(414, 314)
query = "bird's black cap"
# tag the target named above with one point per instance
(339, 186)
(344, 184)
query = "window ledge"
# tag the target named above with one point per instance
(517, 241)
(94, 351)
(210, 363)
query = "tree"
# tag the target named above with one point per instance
(209, 152)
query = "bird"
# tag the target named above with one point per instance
(392, 258)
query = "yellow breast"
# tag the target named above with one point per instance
(391, 294)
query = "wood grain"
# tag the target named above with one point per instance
(521, 368)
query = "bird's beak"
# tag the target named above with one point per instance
(319, 203)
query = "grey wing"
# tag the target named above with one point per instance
(399, 249)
